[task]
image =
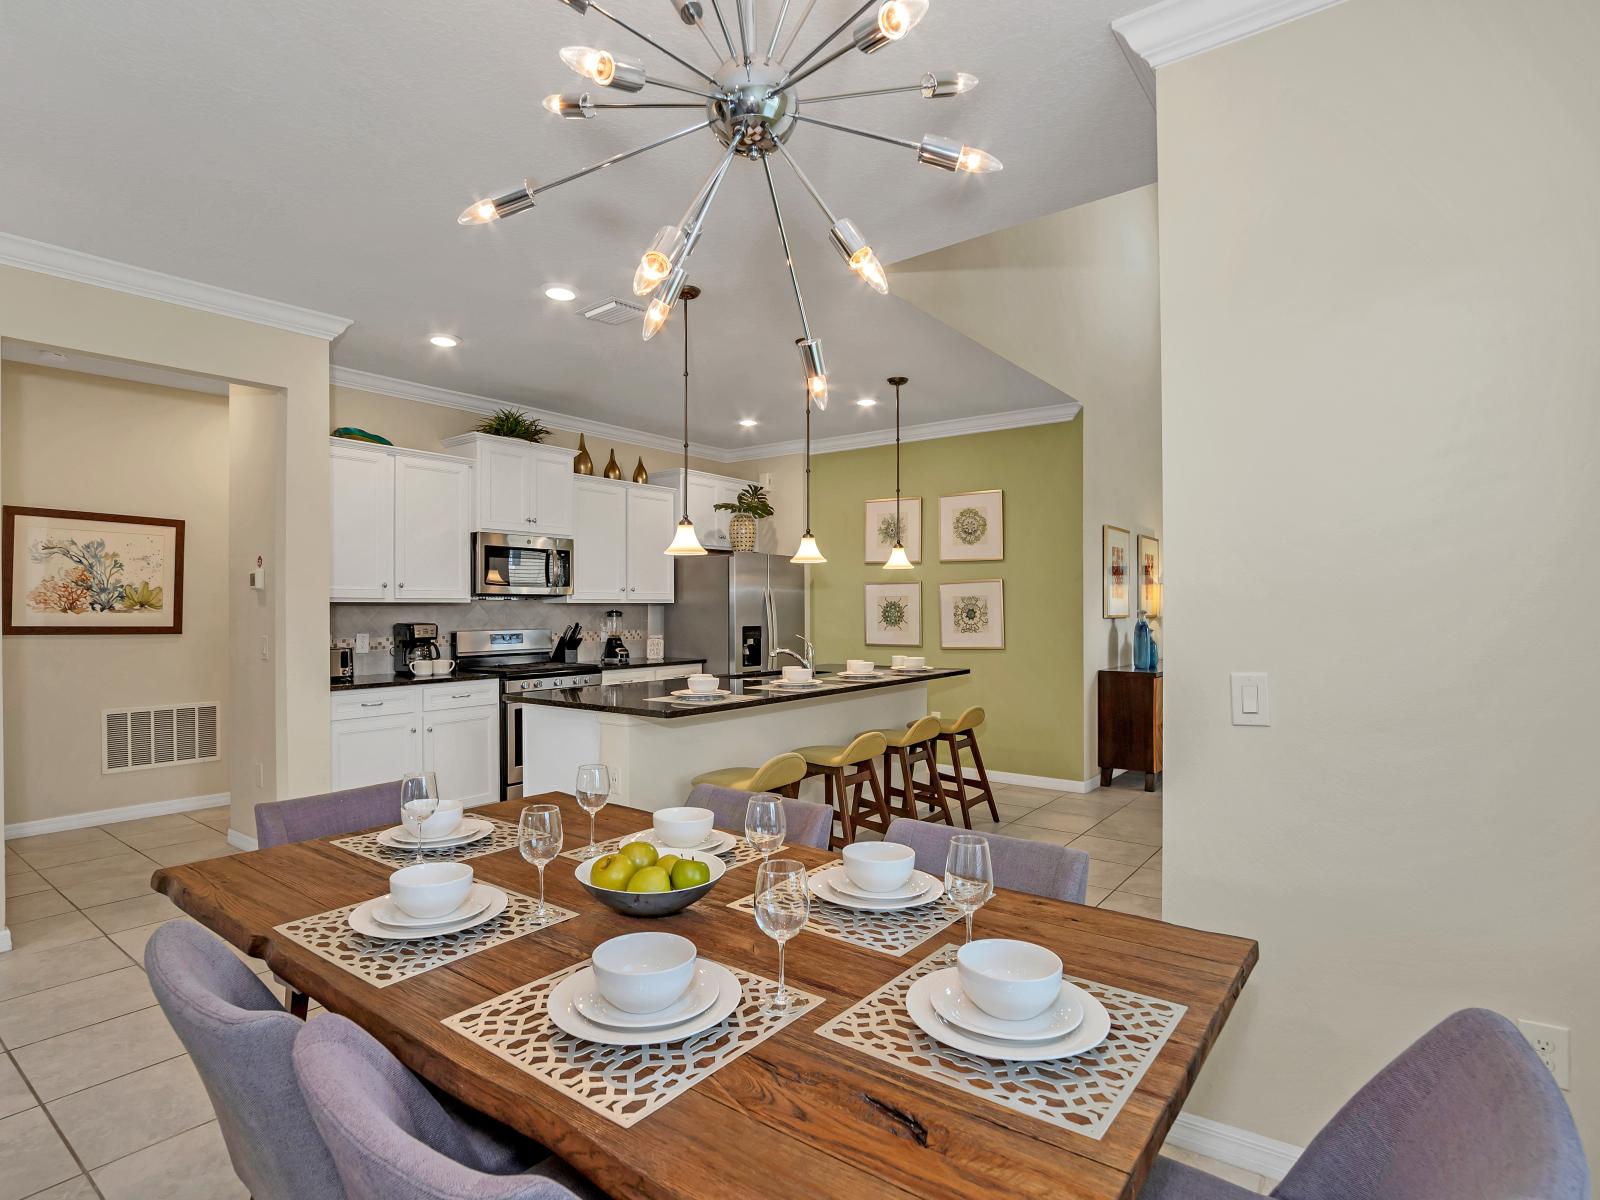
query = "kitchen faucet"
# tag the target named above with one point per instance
(804, 660)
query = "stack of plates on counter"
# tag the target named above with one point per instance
(577, 1007)
(714, 694)
(471, 829)
(834, 886)
(719, 842)
(1075, 1022)
(382, 917)
(792, 685)
(861, 674)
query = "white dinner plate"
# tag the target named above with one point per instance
(959, 1009)
(720, 842)
(839, 880)
(912, 670)
(686, 694)
(1089, 1033)
(364, 923)
(387, 912)
(822, 888)
(565, 1016)
(470, 830)
(860, 674)
(703, 991)
(790, 685)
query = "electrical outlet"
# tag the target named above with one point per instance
(1552, 1044)
(363, 643)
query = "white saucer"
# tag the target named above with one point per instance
(1089, 1034)
(470, 830)
(859, 674)
(839, 880)
(823, 890)
(592, 1006)
(361, 919)
(565, 1016)
(686, 694)
(390, 914)
(790, 685)
(957, 1008)
(912, 670)
(720, 842)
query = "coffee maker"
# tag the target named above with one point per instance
(414, 641)
(614, 653)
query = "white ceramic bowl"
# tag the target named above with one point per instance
(643, 972)
(683, 828)
(702, 683)
(446, 819)
(897, 660)
(1011, 980)
(859, 666)
(915, 661)
(797, 674)
(879, 866)
(430, 889)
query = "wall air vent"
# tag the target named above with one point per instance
(135, 739)
(614, 312)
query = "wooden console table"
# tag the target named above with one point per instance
(1130, 724)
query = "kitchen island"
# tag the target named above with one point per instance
(656, 744)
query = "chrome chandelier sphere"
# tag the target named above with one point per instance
(751, 106)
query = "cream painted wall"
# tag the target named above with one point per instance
(104, 445)
(1380, 291)
(1075, 299)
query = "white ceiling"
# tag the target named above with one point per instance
(318, 153)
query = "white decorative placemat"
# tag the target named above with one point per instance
(719, 702)
(367, 845)
(892, 933)
(328, 935)
(735, 856)
(624, 1084)
(1082, 1094)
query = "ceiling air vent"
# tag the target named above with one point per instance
(135, 739)
(614, 312)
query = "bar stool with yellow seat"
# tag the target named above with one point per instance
(844, 767)
(917, 742)
(780, 774)
(961, 734)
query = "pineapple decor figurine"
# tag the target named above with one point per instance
(747, 508)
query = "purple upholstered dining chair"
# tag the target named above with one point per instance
(1039, 868)
(239, 1039)
(327, 816)
(1467, 1112)
(391, 1140)
(808, 823)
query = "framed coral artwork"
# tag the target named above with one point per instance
(84, 572)
(972, 615)
(880, 531)
(972, 527)
(894, 614)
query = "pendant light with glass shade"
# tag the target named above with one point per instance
(897, 560)
(684, 541)
(808, 552)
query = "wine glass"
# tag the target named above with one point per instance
(764, 826)
(782, 904)
(419, 800)
(968, 874)
(539, 839)
(594, 785)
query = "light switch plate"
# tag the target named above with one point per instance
(1250, 706)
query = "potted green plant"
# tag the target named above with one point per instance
(514, 423)
(747, 508)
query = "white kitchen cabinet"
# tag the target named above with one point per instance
(369, 750)
(621, 532)
(651, 524)
(402, 525)
(452, 729)
(706, 491)
(522, 487)
(462, 746)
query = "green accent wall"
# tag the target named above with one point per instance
(1032, 690)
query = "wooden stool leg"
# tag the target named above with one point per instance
(299, 1003)
(908, 791)
(877, 792)
(983, 776)
(835, 777)
(955, 776)
(790, 790)
(934, 793)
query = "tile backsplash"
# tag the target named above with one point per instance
(378, 621)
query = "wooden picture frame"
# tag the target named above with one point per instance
(1116, 572)
(73, 572)
(972, 526)
(903, 627)
(1147, 565)
(972, 614)
(878, 531)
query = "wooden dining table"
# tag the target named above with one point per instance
(797, 1116)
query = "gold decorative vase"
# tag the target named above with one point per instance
(613, 471)
(582, 464)
(640, 475)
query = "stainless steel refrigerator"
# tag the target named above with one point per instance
(734, 610)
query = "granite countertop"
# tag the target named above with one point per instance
(642, 699)
(395, 679)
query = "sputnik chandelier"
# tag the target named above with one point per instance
(753, 109)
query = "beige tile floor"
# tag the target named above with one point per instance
(97, 1098)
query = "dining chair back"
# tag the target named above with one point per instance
(1020, 865)
(806, 821)
(239, 1039)
(349, 811)
(391, 1140)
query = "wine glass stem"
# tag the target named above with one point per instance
(591, 831)
(541, 891)
(970, 911)
(783, 990)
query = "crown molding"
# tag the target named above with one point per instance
(956, 427)
(154, 285)
(1173, 30)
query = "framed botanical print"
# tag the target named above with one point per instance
(1116, 562)
(972, 527)
(881, 527)
(972, 615)
(84, 572)
(1148, 561)
(894, 613)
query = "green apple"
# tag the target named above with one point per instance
(689, 872)
(612, 872)
(640, 854)
(667, 861)
(650, 879)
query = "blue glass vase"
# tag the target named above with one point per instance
(1144, 646)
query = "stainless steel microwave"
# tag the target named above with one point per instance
(520, 564)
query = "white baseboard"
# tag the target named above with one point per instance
(1080, 786)
(113, 816)
(241, 841)
(5, 939)
(1236, 1147)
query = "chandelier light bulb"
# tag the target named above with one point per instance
(896, 18)
(808, 552)
(816, 370)
(865, 264)
(480, 213)
(897, 560)
(819, 390)
(978, 162)
(572, 107)
(592, 64)
(660, 307)
(552, 103)
(684, 540)
(947, 83)
(658, 261)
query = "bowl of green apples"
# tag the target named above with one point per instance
(640, 881)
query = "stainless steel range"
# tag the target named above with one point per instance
(527, 660)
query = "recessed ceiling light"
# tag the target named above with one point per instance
(749, 422)
(444, 341)
(867, 401)
(562, 294)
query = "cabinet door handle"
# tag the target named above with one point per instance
(413, 729)
(372, 704)
(384, 584)
(430, 728)
(402, 585)
(461, 696)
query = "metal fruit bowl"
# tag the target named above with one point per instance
(654, 904)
